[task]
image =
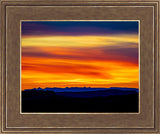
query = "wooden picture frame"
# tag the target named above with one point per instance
(146, 121)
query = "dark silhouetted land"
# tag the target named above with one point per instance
(80, 100)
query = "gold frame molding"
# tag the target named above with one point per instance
(145, 11)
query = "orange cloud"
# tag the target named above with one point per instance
(80, 61)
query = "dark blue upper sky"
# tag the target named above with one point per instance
(75, 28)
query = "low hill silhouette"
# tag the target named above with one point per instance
(80, 100)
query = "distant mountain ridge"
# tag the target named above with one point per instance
(88, 92)
(83, 89)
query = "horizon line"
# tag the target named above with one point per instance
(80, 87)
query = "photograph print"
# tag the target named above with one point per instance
(79, 66)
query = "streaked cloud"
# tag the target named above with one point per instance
(79, 41)
(83, 60)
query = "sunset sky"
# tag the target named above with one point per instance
(79, 53)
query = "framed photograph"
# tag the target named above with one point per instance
(80, 66)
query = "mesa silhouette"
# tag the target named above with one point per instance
(80, 99)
